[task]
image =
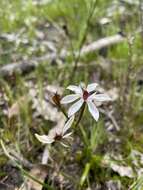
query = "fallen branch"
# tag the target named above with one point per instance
(27, 66)
(102, 43)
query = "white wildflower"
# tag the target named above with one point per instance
(84, 95)
(57, 133)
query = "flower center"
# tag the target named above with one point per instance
(85, 95)
(58, 137)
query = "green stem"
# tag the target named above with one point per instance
(63, 111)
(85, 173)
(81, 114)
(25, 173)
(77, 57)
(48, 187)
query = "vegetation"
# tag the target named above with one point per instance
(51, 43)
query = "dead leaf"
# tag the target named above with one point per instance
(123, 170)
(39, 172)
(113, 185)
(44, 106)
(15, 108)
(117, 166)
(113, 93)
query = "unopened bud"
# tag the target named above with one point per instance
(56, 99)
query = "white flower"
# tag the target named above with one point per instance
(84, 95)
(57, 133)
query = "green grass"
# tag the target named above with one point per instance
(37, 24)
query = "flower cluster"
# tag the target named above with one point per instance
(57, 133)
(82, 95)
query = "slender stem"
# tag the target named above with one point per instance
(128, 73)
(81, 114)
(7, 153)
(141, 18)
(77, 57)
(63, 111)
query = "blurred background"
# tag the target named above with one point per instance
(45, 45)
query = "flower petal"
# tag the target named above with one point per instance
(102, 97)
(91, 87)
(67, 135)
(93, 110)
(68, 124)
(75, 107)
(76, 89)
(44, 139)
(92, 96)
(63, 144)
(69, 98)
